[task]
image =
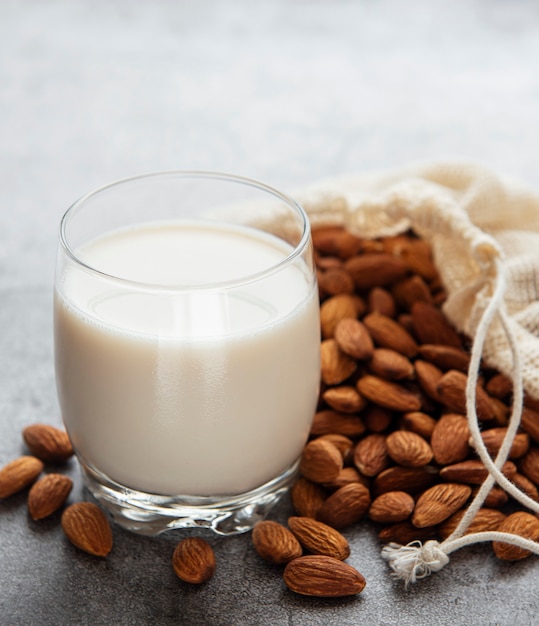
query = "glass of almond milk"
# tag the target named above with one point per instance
(186, 322)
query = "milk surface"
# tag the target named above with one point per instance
(185, 390)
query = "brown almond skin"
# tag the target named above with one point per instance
(439, 502)
(370, 455)
(452, 391)
(321, 461)
(307, 497)
(387, 394)
(493, 439)
(18, 474)
(193, 560)
(319, 538)
(410, 479)
(275, 543)
(346, 506)
(354, 339)
(445, 357)
(335, 365)
(323, 576)
(405, 532)
(449, 440)
(48, 443)
(334, 309)
(418, 422)
(529, 464)
(391, 364)
(391, 507)
(344, 398)
(432, 327)
(408, 449)
(473, 471)
(387, 333)
(327, 422)
(48, 495)
(87, 527)
(375, 270)
(520, 523)
(485, 519)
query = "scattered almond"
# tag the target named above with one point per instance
(48, 494)
(319, 538)
(18, 474)
(87, 527)
(323, 576)
(193, 560)
(48, 443)
(439, 502)
(522, 524)
(275, 543)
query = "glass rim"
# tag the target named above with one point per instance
(193, 174)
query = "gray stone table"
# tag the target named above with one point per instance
(288, 92)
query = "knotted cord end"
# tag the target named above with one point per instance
(415, 560)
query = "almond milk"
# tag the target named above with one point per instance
(184, 390)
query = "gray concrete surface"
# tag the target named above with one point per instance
(288, 92)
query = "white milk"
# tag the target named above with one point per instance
(193, 393)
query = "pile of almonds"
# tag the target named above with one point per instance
(389, 441)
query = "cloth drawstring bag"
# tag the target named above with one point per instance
(484, 233)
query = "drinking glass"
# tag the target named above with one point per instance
(186, 323)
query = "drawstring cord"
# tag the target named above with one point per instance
(418, 560)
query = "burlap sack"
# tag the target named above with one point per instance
(484, 232)
(483, 229)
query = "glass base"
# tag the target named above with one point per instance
(151, 515)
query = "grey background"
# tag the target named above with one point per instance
(288, 92)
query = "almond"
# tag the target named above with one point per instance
(387, 333)
(387, 394)
(333, 310)
(354, 339)
(48, 443)
(410, 479)
(346, 506)
(323, 576)
(473, 471)
(408, 449)
(48, 495)
(335, 240)
(432, 327)
(391, 507)
(193, 560)
(526, 486)
(275, 543)
(428, 376)
(418, 422)
(307, 497)
(346, 476)
(381, 301)
(529, 465)
(415, 252)
(522, 524)
(484, 520)
(411, 290)
(449, 439)
(376, 418)
(321, 461)
(344, 444)
(493, 439)
(328, 421)
(336, 366)
(335, 281)
(344, 398)
(319, 538)
(375, 270)
(370, 454)
(496, 498)
(405, 532)
(391, 364)
(529, 423)
(452, 391)
(18, 474)
(445, 357)
(439, 502)
(500, 386)
(87, 527)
